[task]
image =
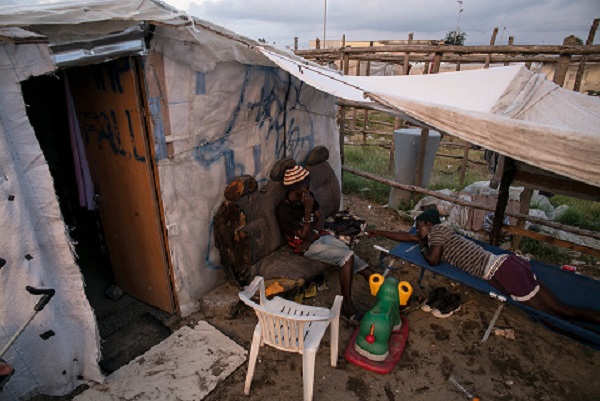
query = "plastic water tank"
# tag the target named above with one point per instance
(406, 153)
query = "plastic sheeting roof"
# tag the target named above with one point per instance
(510, 110)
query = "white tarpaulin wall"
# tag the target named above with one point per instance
(226, 119)
(34, 242)
(507, 109)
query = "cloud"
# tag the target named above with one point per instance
(529, 21)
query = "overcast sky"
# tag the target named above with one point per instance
(279, 21)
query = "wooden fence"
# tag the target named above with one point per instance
(563, 56)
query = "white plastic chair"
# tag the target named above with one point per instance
(291, 327)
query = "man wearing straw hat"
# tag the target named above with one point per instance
(301, 221)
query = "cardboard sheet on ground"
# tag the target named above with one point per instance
(186, 366)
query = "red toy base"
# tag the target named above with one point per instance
(396, 348)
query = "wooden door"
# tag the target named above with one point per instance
(109, 109)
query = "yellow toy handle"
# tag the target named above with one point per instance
(375, 281)
(405, 290)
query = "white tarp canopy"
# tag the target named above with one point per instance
(510, 110)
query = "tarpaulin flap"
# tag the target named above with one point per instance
(510, 110)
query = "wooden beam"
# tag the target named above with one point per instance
(461, 202)
(552, 241)
(511, 41)
(524, 203)
(419, 173)
(492, 42)
(582, 63)
(562, 67)
(406, 64)
(508, 174)
(499, 49)
(464, 164)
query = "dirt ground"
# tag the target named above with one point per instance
(538, 364)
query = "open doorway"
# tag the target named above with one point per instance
(127, 326)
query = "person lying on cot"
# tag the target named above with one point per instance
(301, 222)
(509, 274)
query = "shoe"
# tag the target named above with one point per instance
(447, 307)
(435, 297)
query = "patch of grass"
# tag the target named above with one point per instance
(544, 252)
(581, 213)
(372, 159)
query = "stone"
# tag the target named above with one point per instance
(221, 301)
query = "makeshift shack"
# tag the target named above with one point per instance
(162, 111)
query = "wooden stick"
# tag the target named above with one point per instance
(464, 164)
(525, 201)
(499, 49)
(406, 70)
(521, 232)
(581, 68)
(342, 132)
(492, 42)
(508, 175)
(419, 173)
(511, 41)
(412, 188)
(562, 67)
(295, 43)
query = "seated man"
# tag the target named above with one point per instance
(301, 221)
(507, 273)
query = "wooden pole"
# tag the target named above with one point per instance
(511, 41)
(492, 42)
(346, 63)
(525, 201)
(295, 43)
(481, 206)
(406, 56)
(317, 43)
(425, 49)
(391, 167)
(342, 132)
(581, 68)
(343, 53)
(357, 71)
(464, 164)
(365, 123)
(419, 173)
(562, 67)
(508, 174)
(437, 60)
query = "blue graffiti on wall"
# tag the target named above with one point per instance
(278, 90)
(114, 70)
(106, 130)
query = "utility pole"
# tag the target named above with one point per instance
(460, 10)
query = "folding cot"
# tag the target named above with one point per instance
(571, 288)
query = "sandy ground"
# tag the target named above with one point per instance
(538, 364)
